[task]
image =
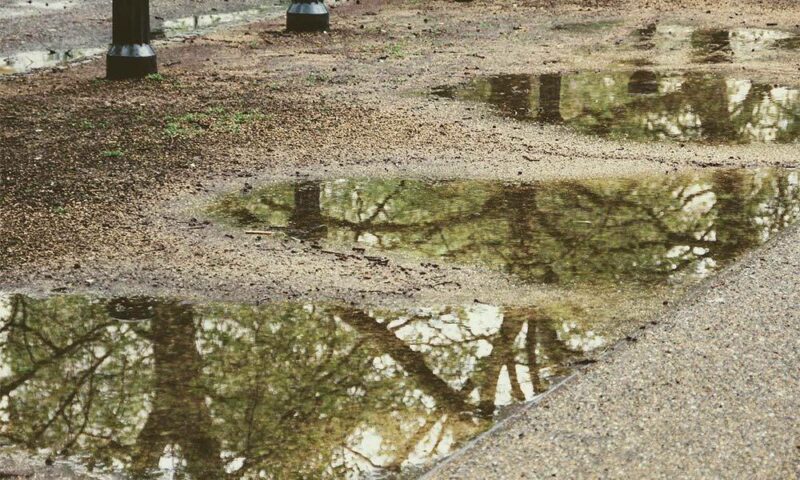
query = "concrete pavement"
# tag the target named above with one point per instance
(712, 391)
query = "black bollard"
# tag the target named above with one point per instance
(130, 55)
(307, 16)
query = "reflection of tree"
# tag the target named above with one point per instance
(510, 94)
(306, 215)
(600, 232)
(550, 98)
(645, 105)
(285, 389)
(70, 379)
(179, 415)
(643, 82)
(645, 36)
(712, 46)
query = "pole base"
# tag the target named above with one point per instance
(307, 16)
(130, 61)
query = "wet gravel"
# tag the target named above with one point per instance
(97, 193)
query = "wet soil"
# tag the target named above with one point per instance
(77, 148)
(104, 186)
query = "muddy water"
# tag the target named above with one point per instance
(644, 105)
(152, 388)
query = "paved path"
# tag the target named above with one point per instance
(713, 391)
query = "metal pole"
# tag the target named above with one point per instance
(307, 16)
(130, 54)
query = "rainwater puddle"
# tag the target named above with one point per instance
(643, 231)
(644, 105)
(587, 27)
(27, 61)
(160, 388)
(714, 45)
(148, 388)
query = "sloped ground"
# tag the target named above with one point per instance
(98, 182)
(713, 392)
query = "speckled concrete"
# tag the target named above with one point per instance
(712, 391)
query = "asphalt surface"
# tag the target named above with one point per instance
(712, 391)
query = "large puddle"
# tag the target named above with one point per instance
(160, 388)
(164, 389)
(647, 230)
(644, 105)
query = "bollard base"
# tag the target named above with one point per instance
(308, 16)
(130, 61)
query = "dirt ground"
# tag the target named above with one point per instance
(97, 193)
(100, 194)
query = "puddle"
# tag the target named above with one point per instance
(644, 105)
(644, 230)
(147, 388)
(586, 27)
(160, 388)
(27, 61)
(714, 45)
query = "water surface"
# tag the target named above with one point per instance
(714, 45)
(644, 105)
(159, 388)
(617, 232)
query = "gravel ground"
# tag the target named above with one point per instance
(96, 196)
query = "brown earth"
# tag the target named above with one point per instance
(89, 167)
(98, 190)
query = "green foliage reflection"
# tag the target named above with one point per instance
(652, 230)
(148, 387)
(645, 105)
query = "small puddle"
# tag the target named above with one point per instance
(200, 24)
(158, 388)
(644, 105)
(714, 45)
(587, 27)
(27, 61)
